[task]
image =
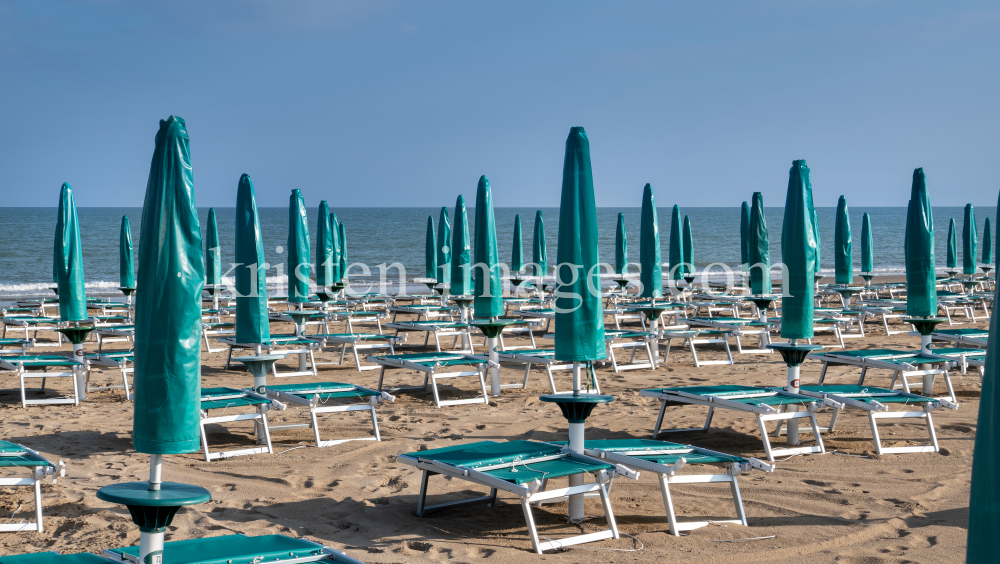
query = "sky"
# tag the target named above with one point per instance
(380, 103)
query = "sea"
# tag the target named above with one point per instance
(396, 236)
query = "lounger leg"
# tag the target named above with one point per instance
(864, 371)
(204, 441)
(315, 426)
(930, 431)
(833, 420)
(38, 504)
(875, 436)
(529, 519)
(229, 357)
(668, 504)
(343, 352)
(552, 381)
(378, 437)
(381, 374)
(738, 501)
(659, 419)
(524, 384)
(267, 433)
(434, 389)
(765, 439)
(822, 373)
(422, 497)
(608, 514)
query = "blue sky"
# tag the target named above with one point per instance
(407, 103)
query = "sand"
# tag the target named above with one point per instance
(848, 505)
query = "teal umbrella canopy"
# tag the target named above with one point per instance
(650, 264)
(867, 245)
(745, 235)
(213, 252)
(250, 275)
(987, 242)
(336, 273)
(759, 248)
(487, 290)
(342, 232)
(517, 249)
(298, 249)
(984, 496)
(815, 223)
(539, 255)
(430, 250)
(621, 246)
(461, 252)
(324, 247)
(952, 257)
(579, 312)
(126, 266)
(167, 389)
(688, 247)
(798, 251)
(970, 240)
(843, 252)
(444, 250)
(918, 246)
(68, 260)
(676, 245)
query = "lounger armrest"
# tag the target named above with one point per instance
(623, 470)
(761, 465)
(340, 557)
(834, 403)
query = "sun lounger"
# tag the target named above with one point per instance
(766, 404)
(238, 549)
(329, 397)
(361, 317)
(114, 334)
(213, 329)
(430, 364)
(17, 457)
(876, 401)
(548, 314)
(667, 459)
(904, 365)
(14, 346)
(632, 341)
(692, 337)
(886, 309)
(319, 319)
(969, 336)
(360, 342)
(41, 305)
(964, 357)
(35, 324)
(281, 344)
(423, 312)
(231, 398)
(438, 328)
(518, 467)
(122, 361)
(738, 327)
(37, 367)
(544, 358)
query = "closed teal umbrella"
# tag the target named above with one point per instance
(758, 248)
(621, 246)
(342, 232)
(461, 252)
(252, 326)
(579, 317)
(168, 303)
(430, 250)
(213, 253)
(298, 249)
(444, 249)
(336, 272)
(952, 257)
(539, 254)
(126, 267)
(970, 240)
(68, 260)
(819, 242)
(867, 245)
(745, 236)
(688, 247)
(650, 264)
(798, 252)
(677, 257)
(324, 249)
(918, 245)
(517, 248)
(987, 243)
(843, 252)
(488, 289)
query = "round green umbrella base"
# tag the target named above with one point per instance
(576, 408)
(924, 325)
(794, 355)
(493, 327)
(153, 511)
(76, 335)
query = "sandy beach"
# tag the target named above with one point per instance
(848, 505)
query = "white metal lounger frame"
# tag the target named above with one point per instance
(667, 474)
(763, 413)
(51, 326)
(259, 418)
(38, 473)
(214, 329)
(113, 335)
(548, 362)
(465, 333)
(737, 330)
(316, 406)
(361, 317)
(965, 360)
(431, 375)
(878, 411)
(11, 365)
(354, 341)
(886, 313)
(529, 493)
(278, 348)
(901, 370)
(119, 362)
(693, 337)
(960, 339)
(632, 341)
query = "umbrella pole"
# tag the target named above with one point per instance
(793, 387)
(928, 379)
(151, 543)
(576, 445)
(81, 375)
(491, 346)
